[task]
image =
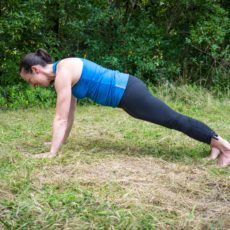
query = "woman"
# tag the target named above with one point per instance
(78, 78)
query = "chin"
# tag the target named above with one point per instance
(46, 84)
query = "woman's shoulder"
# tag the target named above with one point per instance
(69, 62)
(70, 68)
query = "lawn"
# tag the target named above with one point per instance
(115, 172)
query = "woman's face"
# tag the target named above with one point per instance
(36, 78)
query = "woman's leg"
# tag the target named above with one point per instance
(140, 103)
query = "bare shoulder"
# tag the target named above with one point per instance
(69, 71)
(71, 61)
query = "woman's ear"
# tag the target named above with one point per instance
(35, 69)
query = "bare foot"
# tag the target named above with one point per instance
(224, 159)
(214, 153)
(224, 147)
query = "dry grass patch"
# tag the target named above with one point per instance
(193, 196)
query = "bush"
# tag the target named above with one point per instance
(176, 41)
(24, 96)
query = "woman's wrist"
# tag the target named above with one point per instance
(53, 153)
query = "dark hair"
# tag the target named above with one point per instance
(40, 57)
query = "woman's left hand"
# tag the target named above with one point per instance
(44, 155)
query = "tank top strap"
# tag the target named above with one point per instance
(55, 67)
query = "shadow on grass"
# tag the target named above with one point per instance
(168, 152)
(99, 147)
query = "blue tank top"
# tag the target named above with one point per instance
(103, 86)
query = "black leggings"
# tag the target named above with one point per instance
(140, 103)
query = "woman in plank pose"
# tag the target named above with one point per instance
(76, 78)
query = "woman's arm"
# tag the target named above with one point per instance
(70, 117)
(70, 121)
(63, 108)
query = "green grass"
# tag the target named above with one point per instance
(115, 172)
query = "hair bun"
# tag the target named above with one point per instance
(44, 55)
(41, 52)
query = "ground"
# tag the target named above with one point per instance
(115, 172)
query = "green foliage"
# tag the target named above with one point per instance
(185, 41)
(24, 96)
(209, 37)
(22, 29)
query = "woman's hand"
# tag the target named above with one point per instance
(44, 155)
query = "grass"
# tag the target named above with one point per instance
(115, 172)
